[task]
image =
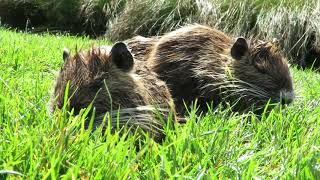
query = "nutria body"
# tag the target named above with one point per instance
(108, 77)
(141, 47)
(198, 62)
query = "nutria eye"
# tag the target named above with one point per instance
(261, 57)
(263, 54)
(259, 60)
(259, 63)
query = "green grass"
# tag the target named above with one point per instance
(35, 144)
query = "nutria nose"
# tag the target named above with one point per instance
(286, 97)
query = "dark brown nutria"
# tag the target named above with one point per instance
(198, 62)
(108, 77)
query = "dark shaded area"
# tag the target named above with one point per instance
(61, 16)
(21, 14)
(311, 58)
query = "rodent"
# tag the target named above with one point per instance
(199, 62)
(109, 77)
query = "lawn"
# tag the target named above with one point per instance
(35, 144)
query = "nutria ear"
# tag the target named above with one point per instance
(239, 48)
(66, 54)
(121, 56)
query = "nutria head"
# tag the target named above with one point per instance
(100, 73)
(261, 72)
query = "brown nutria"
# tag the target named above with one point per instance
(108, 77)
(198, 62)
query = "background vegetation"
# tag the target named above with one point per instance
(221, 144)
(295, 23)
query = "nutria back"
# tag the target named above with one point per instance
(107, 77)
(199, 62)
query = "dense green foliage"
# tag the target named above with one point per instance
(35, 144)
(294, 23)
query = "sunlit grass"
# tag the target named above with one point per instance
(35, 144)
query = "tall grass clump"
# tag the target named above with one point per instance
(97, 14)
(147, 17)
(297, 29)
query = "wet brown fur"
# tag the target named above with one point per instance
(196, 63)
(93, 76)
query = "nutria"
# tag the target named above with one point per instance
(141, 47)
(108, 77)
(199, 62)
